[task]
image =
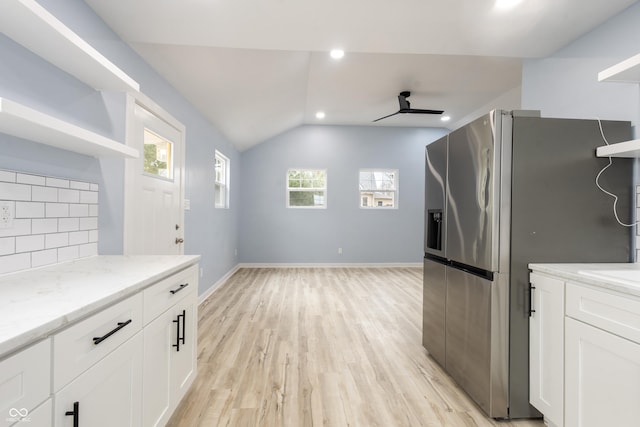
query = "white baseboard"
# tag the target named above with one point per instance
(331, 265)
(218, 284)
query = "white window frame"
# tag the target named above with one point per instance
(373, 205)
(323, 189)
(224, 184)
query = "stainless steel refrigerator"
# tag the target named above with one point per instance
(508, 189)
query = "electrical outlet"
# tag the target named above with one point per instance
(339, 251)
(6, 215)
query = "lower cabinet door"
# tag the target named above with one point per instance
(156, 406)
(183, 358)
(169, 361)
(106, 395)
(601, 382)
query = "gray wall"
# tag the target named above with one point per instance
(271, 233)
(32, 81)
(565, 84)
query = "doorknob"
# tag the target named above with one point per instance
(179, 240)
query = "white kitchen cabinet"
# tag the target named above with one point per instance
(600, 318)
(602, 378)
(41, 416)
(169, 345)
(25, 381)
(108, 394)
(546, 355)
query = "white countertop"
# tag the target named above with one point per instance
(37, 302)
(619, 277)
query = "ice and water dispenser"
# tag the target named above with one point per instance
(434, 229)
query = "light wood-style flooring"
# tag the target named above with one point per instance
(298, 347)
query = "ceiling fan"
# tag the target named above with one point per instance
(405, 107)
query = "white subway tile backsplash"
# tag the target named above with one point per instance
(56, 182)
(57, 210)
(55, 220)
(56, 240)
(78, 210)
(10, 263)
(30, 243)
(77, 185)
(41, 258)
(29, 210)
(68, 224)
(7, 176)
(7, 245)
(88, 197)
(24, 178)
(10, 191)
(42, 226)
(21, 227)
(68, 253)
(68, 196)
(90, 223)
(44, 194)
(78, 238)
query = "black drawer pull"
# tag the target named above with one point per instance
(181, 287)
(75, 414)
(98, 340)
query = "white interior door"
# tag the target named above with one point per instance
(154, 212)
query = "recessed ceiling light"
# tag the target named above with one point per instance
(320, 115)
(506, 4)
(337, 53)
(445, 118)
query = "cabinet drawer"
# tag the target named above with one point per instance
(616, 313)
(25, 381)
(77, 348)
(167, 292)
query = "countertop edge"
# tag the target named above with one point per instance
(572, 272)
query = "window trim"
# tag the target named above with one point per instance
(396, 191)
(325, 189)
(224, 184)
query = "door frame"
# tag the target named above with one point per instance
(147, 103)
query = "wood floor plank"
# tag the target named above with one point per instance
(302, 347)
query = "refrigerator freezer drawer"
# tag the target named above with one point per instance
(475, 340)
(433, 309)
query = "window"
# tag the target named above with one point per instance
(378, 188)
(158, 155)
(221, 180)
(306, 188)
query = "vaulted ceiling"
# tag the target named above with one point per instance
(256, 68)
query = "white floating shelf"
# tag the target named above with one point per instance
(24, 122)
(621, 149)
(627, 71)
(32, 26)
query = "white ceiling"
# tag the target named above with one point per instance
(256, 68)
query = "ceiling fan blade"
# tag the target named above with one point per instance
(397, 112)
(420, 111)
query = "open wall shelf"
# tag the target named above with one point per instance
(27, 123)
(32, 26)
(627, 71)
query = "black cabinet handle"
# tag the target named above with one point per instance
(180, 339)
(531, 310)
(98, 340)
(181, 287)
(75, 414)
